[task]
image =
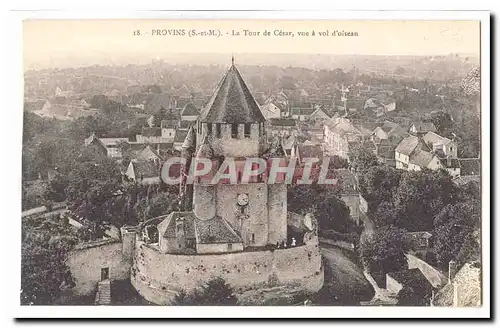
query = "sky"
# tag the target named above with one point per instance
(48, 43)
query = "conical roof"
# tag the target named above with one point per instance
(189, 109)
(190, 141)
(232, 102)
(205, 150)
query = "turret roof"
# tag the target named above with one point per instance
(232, 102)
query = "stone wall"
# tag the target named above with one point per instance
(87, 260)
(436, 278)
(158, 277)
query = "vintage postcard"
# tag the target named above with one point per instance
(329, 166)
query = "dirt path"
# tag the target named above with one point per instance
(345, 283)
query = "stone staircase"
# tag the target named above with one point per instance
(103, 295)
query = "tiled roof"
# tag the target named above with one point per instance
(421, 158)
(303, 111)
(212, 231)
(470, 166)
(112, 141)
(283, 122)
(215, 231)
(407, 145)
(167, 226)
(151, 131)
(232, 102)
(424, 127)
(145, 169)
(168, 124)
(190, 110)
(180, 136)
(432, 138)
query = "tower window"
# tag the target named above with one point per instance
(234, 131)
(247, 130)
(217, 130)
(253, 238)
(209, 128)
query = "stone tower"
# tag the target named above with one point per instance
(231, 125)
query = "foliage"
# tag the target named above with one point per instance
(43, 255)
(361, 158)
(456, 236)
(384, 249)
(213, 292)
(413, 296)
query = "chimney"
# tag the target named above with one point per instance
(452, 270)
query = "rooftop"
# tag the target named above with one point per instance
(232, 102)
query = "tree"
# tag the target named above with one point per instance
(91, 189)
(456, 233)
(362, 158)
(420, 196)
(414, 296)
(44, 274)
(384, 249)
(213, 292)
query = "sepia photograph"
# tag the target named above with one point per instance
(310, 164)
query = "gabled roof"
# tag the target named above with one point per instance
(421, 158)
(232, 102)
(145, 169)
(407, 145)
(147, 153)
(424, 127)
(308, 111)
(190, 110)
(215, 231)
(432, 138)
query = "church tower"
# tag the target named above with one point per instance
(231, 125)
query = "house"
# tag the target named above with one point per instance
(144, 172)
(412, 278)
(387, 130)
(385, 151)
(147, 153)
(271, 110)
(442, 146)
(380, 104)
(463, 288)
(106, 146)
(421, 128)
(349, 192)
(412, 154)
(189, 112)
(113, 146)
(152, 135)
(282, 126)
(302, 113)
(168, 128)
(319, 115)
(339, 134)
